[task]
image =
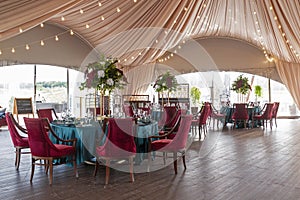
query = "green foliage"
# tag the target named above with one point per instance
(258, 91)
(195, 95)
(51, 84)
(166, 82)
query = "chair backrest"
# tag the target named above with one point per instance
(120, 139)
(204, 114)
(14, 133)
(169, 115)
(47, 113)
(275, 109)
(128, 110)
(39, 142)
(179, 141)
(240, 111)
(267, 114)
(174, 120)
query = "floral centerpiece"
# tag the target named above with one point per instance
(241, 85)
(165, 83)
(103, 76)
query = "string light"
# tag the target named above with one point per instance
(62, 18)
(0, 52)
(13, 50)
(42, 43)
(42, 25)
(56, 38)
(134, 1)
(20, 30)
(99, 3)
(27, 47)
(102, 18)
(71, 32)
(87, 26)
(118, 9)
(81, 11)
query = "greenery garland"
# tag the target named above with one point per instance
(241, 85)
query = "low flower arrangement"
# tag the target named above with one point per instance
(241, 85)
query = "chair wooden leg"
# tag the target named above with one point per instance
(183, 160)
(18, 158)
(96, 167)
(164, 157)
(50, 162)
(107, 171)
(131, 169)
(175, 161)
(32, 168)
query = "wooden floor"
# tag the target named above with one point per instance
(228, 164)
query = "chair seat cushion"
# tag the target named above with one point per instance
(105, 151)
(63, 150)
(158, 144)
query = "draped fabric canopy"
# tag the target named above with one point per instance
(144, 32)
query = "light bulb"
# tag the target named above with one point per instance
(42, 43)
(13, 50)
(56, 38)
(71, 32)
(27, 47)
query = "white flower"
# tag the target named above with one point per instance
(101, 73)
(110, 82)
(90, 70)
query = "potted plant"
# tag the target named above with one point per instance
(195, 97)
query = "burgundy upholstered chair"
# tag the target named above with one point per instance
(20, 142)
(275, 111)
(215, 115)
(175, 145)
(128, 110)
(266, 115)
(172, 127)
(240, 114)
(48, 113)
(43, 149)
(119, 144)
(201, 121)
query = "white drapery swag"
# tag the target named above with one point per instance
(290, 75)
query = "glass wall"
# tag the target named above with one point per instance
(216, 87)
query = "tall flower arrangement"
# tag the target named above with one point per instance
(165, 82)
(241, 85)
(103, 76)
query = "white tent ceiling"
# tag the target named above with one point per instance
(187, 35)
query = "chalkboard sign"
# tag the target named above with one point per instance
(23, 106)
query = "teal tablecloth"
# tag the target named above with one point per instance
(141, 140)
(87, 139)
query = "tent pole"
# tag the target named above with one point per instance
(68, 89)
